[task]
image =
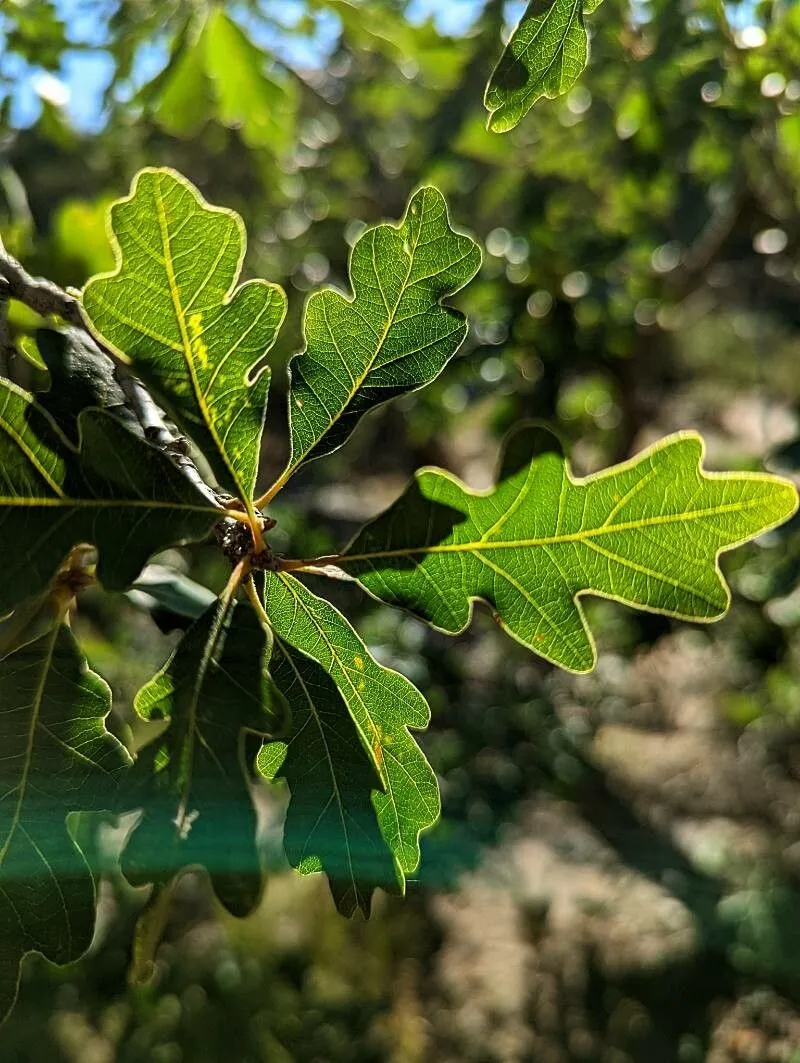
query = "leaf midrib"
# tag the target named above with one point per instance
(34, 720)
(104, 503)
(358, 381)
(576, 5)
(554, 540)
(174, 292)
(299, 603)
(192, 729)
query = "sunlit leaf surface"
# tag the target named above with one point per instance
(172, 310)
(382, 704)
(546, 55)
(331, 823)
(648, 533)
(392, 336)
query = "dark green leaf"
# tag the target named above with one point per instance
(331, 821)
(117, 493)
(197, 805)
(78, 380)
(57, 758)
(383, 705)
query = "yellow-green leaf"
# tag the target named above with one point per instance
(382, 704)
(171, 309)
(331, 822)
(394, 335)
(648, 533)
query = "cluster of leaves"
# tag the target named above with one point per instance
(272, 681)
(215, 65)
(360, 789)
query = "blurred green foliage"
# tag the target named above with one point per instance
(642, 275)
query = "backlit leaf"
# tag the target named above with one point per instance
(383, 706)
(197, 806)
(56, 758)
(546, 55)
(117, 493)
(249, 97)
(331, 823)
(171, 310)
(185, 100)
(647, 533)
(217, 72)
(392, 336)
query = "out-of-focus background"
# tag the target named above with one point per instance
(616, 876)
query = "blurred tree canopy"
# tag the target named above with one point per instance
(642, 274)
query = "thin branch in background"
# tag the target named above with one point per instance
(47, 299)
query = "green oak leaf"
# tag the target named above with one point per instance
(394, 335)
(57, 758)
(249, 97)
(382, 704)
(197, 807)
(216, 71)
(546, 55)
(331, 823)
(647, 533)
(116, 492)
(171, 310)
(78, 380)
(184, 94)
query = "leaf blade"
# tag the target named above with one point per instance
(197, 339)
(526, 548)
(116, 492)
(383, 705)
(365, 349)
(545, 56)
(194, 780)
(63, 760)
(331, 824)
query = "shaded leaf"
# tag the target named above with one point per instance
(331, 822)
(172, 311)
(194, 779)
(172, 591)
(78, 379)
(546, 55)
(57, 757)
(648, 533)
(392, 336)
(383, 706)
(117, 493)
